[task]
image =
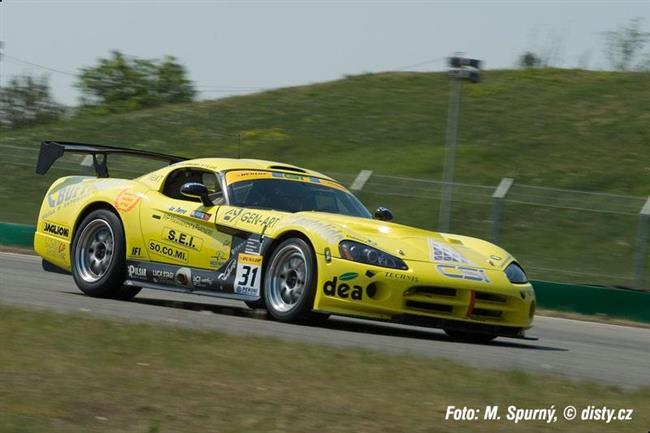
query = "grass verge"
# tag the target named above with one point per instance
(73, 373)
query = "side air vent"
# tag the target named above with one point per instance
(287, 168)
(491, 297)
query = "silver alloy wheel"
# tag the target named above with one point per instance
(94, 250)
(287, 277)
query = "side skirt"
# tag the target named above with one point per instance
(163, 276)
(169, 288)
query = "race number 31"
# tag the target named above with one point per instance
(247, 279)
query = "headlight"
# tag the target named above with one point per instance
(515, 274)
(357, 252)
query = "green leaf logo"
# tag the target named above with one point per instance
(348, 276)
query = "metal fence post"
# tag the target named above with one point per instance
(444, 213)
(360, 180)
(497, 206)
(641, 245)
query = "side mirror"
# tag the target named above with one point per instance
(383, 214)
(196, 190)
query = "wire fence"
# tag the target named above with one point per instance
(557, 234)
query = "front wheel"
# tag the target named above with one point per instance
(98, 257)
(289, 281)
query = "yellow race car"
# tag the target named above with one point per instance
(275, 236)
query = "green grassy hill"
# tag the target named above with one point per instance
(572, 129)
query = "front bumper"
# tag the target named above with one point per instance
(425, 296)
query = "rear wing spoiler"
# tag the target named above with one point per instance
(53, 150)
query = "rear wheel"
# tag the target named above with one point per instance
(470, 337)
(290, 280)
(98, 257)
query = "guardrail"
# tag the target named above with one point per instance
(594, 300)
(17, 235)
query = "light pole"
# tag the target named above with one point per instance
(2, 45)
(460, 69)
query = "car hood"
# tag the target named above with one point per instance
(412, 243)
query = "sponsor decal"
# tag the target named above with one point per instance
(66, 195)
(343, 290)
(232, 214)
(243, 175)
(248, 276)
(189, 224)
(182, 239)
(223, 276)
(162, 275)
(168, 251)
(200, 215)
(56, 229)
(400, 276)
(201, 282)
(444, 253)
(126, 200)
(137, 272)
(136, 251)
(348, 276)
(463, 273)
(258, 219)
(55, 248)
(237, 176)
(178, 210)
(250, 217)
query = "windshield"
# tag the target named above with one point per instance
(291, 193)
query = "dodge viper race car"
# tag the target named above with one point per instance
(275, 236)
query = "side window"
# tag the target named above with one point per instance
(179, 177)
(326, 203)
(214, 189)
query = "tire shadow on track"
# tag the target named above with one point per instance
(336, 323)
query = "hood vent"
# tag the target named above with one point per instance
(287, 168)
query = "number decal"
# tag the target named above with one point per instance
(248, 274)
(247, 280)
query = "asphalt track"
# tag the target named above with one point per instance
(611, 354)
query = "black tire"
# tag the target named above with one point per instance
(301, 285)
(470, 337)
(98, 257)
